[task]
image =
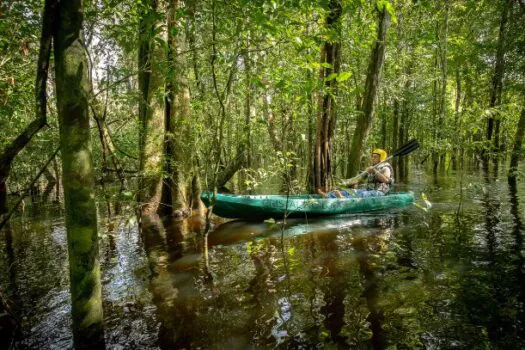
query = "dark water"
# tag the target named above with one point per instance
(449, 277)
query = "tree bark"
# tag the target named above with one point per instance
(151, 114)
(326, 118)
(179, 138)
(366, 117)
(72, 88)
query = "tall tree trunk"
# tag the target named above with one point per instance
(248, 109)
(457, 106)
(442, 103)
(151, 114)
(330, 56)
(246, 144)
(497, 78)
(270, 121)
(72, 88)
(191, 6)
(383, 130)
(395, 134)
(179, 137)
(310, 176)
(401, 175)
(18, 144)
(366, 118)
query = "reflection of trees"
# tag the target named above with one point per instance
(488, 292)
(492, 310)
(368, 270)
(392, 293)
(9, 326)
(519, 259)
(334, 291)
(263, 288)
(10, 263)
(337, 285)
(171, 283)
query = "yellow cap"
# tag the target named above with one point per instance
(382, 154)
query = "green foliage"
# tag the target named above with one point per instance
(272, 48)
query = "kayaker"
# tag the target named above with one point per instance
(379, 179)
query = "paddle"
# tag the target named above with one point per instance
(407, 148)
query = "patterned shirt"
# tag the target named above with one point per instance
(372, 183)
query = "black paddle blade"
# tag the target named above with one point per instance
(407, 148)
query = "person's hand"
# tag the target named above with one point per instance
(371, 170)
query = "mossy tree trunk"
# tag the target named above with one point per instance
(151, 112)
(72, 88)
(366, 118)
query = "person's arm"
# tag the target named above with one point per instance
(381, 176)
(355, 181)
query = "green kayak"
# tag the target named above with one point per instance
(275, 206)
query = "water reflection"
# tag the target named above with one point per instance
(517, 233)
(269, 284)
(446, 278)
(36, 281)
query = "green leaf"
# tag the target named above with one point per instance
(425, 199)
(332, 76)
(417, 205)
(127, 194)
(343, 76)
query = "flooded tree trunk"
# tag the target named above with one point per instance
(310, 175)
(151, 115)
(516, 150)
(330, 57)
(247, 145)
(72, 87)
(177, 139)
(365, 120)
(442, 107)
